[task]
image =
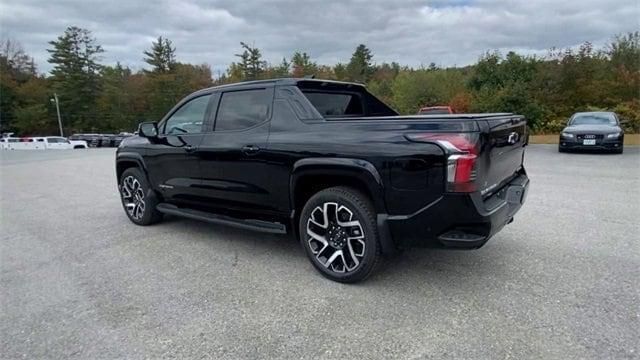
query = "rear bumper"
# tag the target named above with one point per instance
(463, 221)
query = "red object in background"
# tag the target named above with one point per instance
(435, 110)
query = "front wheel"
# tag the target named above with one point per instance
(339, 234)
(138, 199)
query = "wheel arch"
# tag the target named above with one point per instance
(125, 161)
(312, 175)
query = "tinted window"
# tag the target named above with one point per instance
(331, 104)
(243, 109)
(189, 118)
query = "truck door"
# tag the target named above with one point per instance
(172, 160)
(235, 173)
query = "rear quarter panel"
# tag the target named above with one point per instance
(412, 174)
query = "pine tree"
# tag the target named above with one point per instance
(302, 65)
(251, 64)
(359, 68)
(162, 56)
(75, 75)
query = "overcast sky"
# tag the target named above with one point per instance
(410, 32)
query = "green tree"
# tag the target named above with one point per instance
(33, 120)
(413, 89)
(359, 68)
(116, 103)
(251, 66)
(624, 52)
(161, 56)
(282, 70)
(163, 91)
(16, 69)
(302, 65)
(381, 81)
(75, 77)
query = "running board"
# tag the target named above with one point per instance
(248, 224)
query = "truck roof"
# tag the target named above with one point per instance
(282, 81)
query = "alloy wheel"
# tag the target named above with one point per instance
(133, 197)
(335, 237)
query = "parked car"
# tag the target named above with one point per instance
(60, 143)
(106, 140)
(42, 143)
(5, 143)
(596, 130)
(330, 163)
(92, 139)
(79, 144)
(10, 142)
(435, 110)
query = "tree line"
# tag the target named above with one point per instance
(108, 99)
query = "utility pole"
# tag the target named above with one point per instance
(55, 99)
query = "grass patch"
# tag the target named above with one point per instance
(629, 139)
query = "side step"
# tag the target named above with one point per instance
(248, 224)
(460, 239)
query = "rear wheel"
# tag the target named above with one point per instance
(138, 199)
(339, 234)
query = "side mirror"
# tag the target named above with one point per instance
(148, 129)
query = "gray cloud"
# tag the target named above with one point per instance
(410, 32)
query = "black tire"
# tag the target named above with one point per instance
(619, 151)
(560, 149)
(357, 246)
(145, 214)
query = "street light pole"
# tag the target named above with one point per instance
(55, 96)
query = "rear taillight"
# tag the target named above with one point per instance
(462, 154)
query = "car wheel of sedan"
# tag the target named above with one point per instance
(138, 199)
(339, 234)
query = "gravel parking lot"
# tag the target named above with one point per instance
(78, 280)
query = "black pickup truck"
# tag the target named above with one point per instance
(331, 164)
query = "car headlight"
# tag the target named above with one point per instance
(613, 136)
(567, 135)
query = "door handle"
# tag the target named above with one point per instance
(250, 149)
(190, 148)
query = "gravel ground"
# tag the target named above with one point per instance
(78, 280)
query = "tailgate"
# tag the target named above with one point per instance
(503, 153)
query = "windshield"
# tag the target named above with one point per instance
(593, 119)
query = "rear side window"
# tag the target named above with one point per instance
(331, 104)
(243, 109)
